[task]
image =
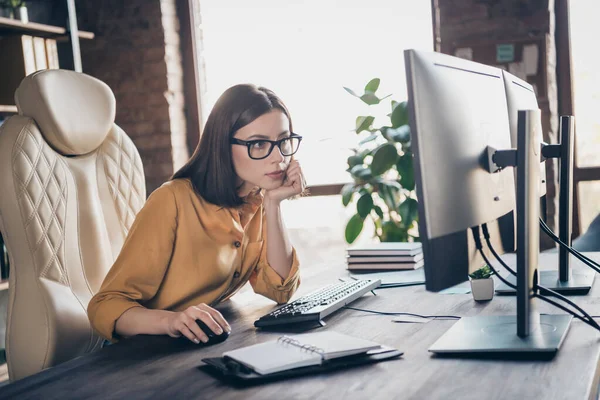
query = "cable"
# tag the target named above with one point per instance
(479, 247)
(555, 304)
(586, 317)
(486, 235)
(572, 304)
(590, 263)
(403, 313)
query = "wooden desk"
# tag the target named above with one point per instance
(161, 367)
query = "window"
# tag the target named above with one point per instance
(307, 51)
(586, 92)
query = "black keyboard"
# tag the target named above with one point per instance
(318, 304)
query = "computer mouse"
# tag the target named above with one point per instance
(213, 338)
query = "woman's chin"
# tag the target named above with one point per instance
(270, 185)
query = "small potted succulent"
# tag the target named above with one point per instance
(16, 9)
(482, 284)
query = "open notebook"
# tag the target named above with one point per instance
(297, 351)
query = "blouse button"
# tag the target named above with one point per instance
(237, 244)
(236, 274)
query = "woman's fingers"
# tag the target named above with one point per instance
(185, 331)
(218, 317)
(207, 315)
(198, 333)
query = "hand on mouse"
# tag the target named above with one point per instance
(184, 323)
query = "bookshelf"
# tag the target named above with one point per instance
(13, 26)
(68, 57)
(7, 110)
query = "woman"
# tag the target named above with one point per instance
(213, 227)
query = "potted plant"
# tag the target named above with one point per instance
(16, 9)
(382, 173)
(482, 284)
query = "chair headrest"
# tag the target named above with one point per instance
(74, 111)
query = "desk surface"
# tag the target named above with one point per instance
(162, 367)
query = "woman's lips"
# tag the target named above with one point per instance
(276, 175)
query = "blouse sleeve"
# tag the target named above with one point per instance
(267, 282)
(141, 265)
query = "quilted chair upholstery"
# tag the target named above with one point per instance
(71, 183)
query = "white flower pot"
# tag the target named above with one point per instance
(21, 13)
(482, 289)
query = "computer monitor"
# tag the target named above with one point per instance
(458, 111)
(520, 95)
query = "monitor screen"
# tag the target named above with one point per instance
(520, 95)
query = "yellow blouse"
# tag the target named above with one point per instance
(182, 251)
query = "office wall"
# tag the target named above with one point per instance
(137, 53)
(482, 26)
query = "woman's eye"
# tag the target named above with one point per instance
(260, 144)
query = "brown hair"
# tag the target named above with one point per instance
(210, 169)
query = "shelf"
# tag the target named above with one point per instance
(36, 29)
(8, 109)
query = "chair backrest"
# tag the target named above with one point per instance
(71, 183)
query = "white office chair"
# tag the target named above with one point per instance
(71, 183)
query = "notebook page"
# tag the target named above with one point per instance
(273, 356)
(335, 344)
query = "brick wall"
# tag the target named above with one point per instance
(137, 53)
(511, 21)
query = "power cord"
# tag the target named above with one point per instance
(590, 263)
(479, 246)
(588, 319)
(403, 313)
(486, 235)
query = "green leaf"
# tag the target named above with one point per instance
(351, 92)
(355, 160)
(347, 192)
(370, 99)
(364, 205)
(393, 233)
(372, 86)
(392, 184)
(400, 115)
(364, 123)
(353, 228)
(482, 273)
(406, 170)
(384, 158)
(388, 195)
(409, 211)
(378, 211)
(400, 134)
(368, 139)
(361, 172)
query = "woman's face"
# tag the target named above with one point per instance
(269, 172)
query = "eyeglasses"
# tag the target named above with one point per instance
(262, 148)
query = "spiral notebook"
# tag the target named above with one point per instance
(289, 352)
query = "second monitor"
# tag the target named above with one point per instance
(520, 95)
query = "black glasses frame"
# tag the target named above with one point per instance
(273, 143)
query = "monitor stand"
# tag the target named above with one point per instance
(564, 281)
(498, 334)
(579, 283)
(528, 333)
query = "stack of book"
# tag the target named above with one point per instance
(386, 256)
(21, 56)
